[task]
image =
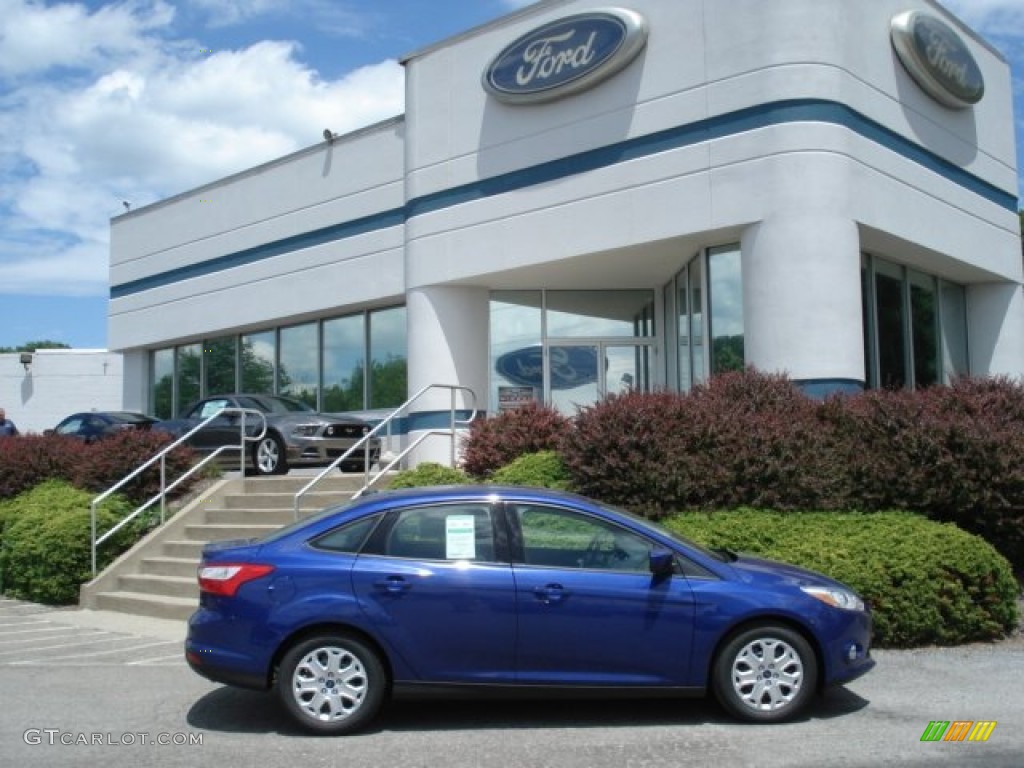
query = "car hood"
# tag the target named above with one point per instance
(756, 569)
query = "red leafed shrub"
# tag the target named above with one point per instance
(771, 445)
(641, 451)
(107, 461)
(496, 441)
(744, 438)
(955, 454)
(29, 460)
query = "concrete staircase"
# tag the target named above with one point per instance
(157, 577)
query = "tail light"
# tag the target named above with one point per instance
(225, 578)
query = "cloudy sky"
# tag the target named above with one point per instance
(104, 102)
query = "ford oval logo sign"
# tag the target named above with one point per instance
(938, 59)
(571, 366)
(566, 56)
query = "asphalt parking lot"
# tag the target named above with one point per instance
(95, 688)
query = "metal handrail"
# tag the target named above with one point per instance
(386, 423)
(161, 496)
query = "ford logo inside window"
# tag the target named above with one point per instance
(566, 56)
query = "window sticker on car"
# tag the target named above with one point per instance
(460, 537)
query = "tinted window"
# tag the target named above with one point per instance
(453, 532)
(561, 538)
(348, 538)
(70, 427)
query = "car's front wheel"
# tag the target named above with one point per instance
(332, 684)
(268, 456)
(766, 673)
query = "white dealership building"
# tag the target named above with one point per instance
(583, 198)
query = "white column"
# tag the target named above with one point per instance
(995, 329)
(448, 344)
(802, 299)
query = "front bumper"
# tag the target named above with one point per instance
(318, 450)
(848, 654)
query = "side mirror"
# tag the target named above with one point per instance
(662, 562)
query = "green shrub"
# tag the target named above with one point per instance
(495, 442)
(46, 551)
(429, 473)
(927, 582)
(544, 469)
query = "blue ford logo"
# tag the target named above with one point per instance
(570, 366)
(938, 59)
(566, 56)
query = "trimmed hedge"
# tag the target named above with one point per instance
(429, 473)
(927, 582)
(45, 552)
(544, 469)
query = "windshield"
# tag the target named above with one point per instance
(269, 404)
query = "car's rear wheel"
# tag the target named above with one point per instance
(332, 684)
(765, 674)
(268, 456)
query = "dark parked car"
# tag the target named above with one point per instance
(93, 425)
(485, 588)
(296, 435)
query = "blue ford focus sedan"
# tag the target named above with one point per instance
(498, 589)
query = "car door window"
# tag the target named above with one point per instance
(70, 427)
(450, 532)
(562, 538)
(210, 407)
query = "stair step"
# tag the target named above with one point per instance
(206, 532)
(157, 606)
(151, 584)
(278, 517)
(170, 566)
(312, 500)
(184, 549)
(290, 484)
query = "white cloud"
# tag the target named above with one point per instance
(143, 118)
(35, 38)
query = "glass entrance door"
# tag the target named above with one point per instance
(579, 373)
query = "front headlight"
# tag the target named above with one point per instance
(837, 598)
(306, 430)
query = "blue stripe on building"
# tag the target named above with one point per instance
(731, 124)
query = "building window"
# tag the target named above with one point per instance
(388, 373)
(258, 355)
(570, 348)
(220, 364)
(162, 391)
(187, 374)
(344, 385)
(915, 326)
(320, 363)
(720, 299)
(725, 307)
(299, 363)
